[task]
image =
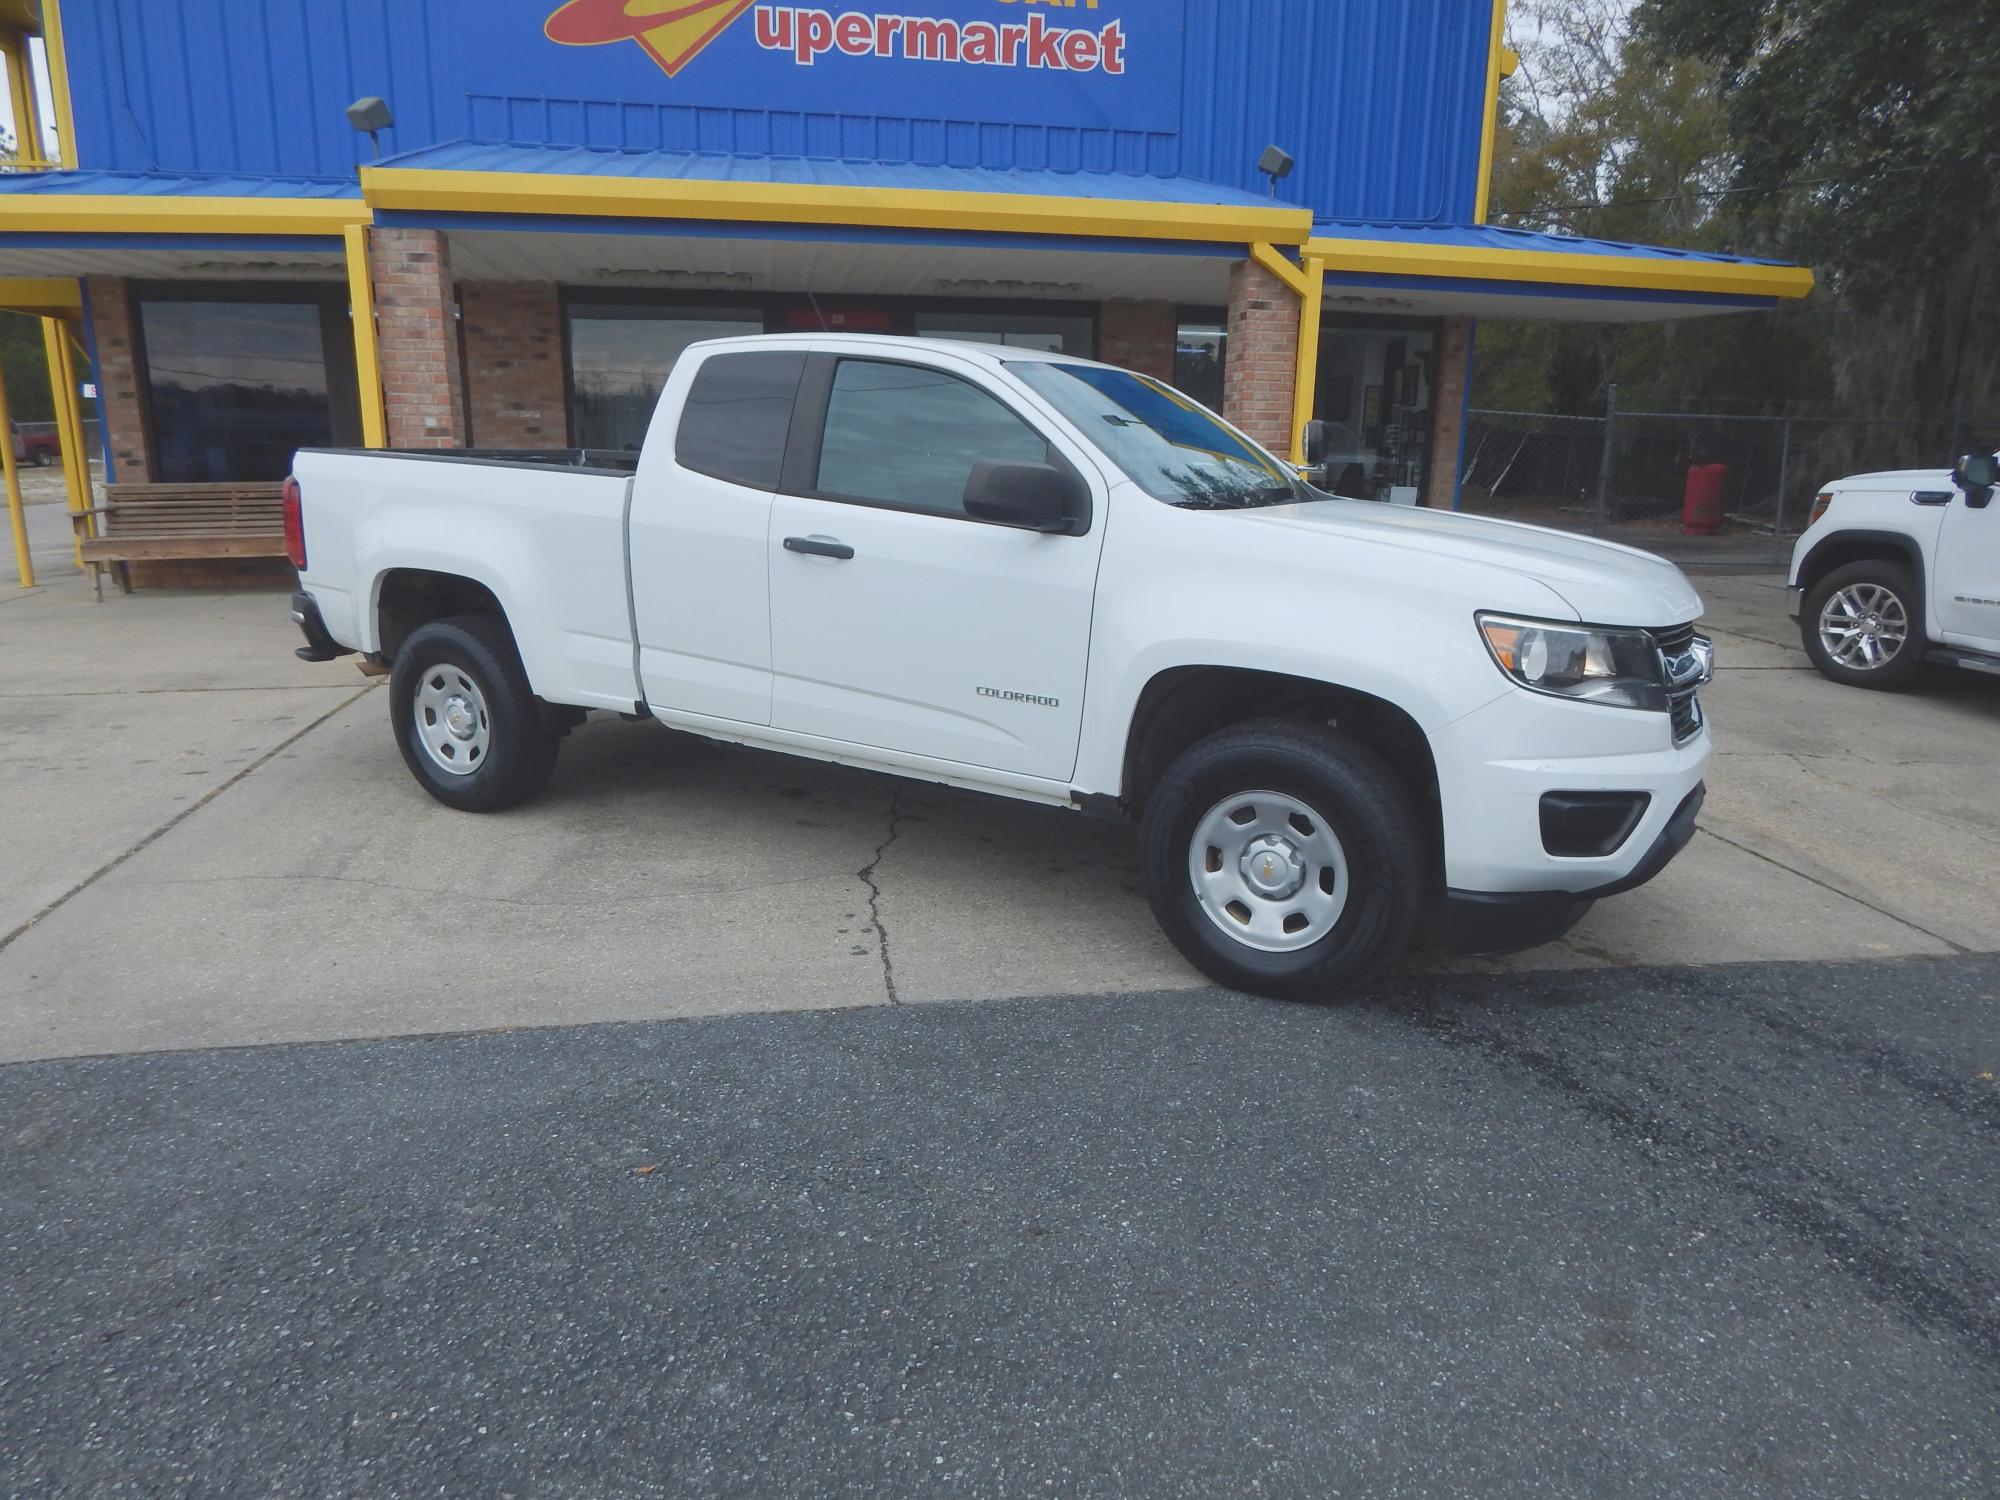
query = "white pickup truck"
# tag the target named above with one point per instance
(1901, 568)
(1052, 580)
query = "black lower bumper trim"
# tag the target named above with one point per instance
(319, 645)
(1508, 921)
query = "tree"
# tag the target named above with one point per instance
(1605, 134)
(24, 365)
(1864, 136)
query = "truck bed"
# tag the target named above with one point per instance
(543, 531)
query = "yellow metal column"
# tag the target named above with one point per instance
(69, 440)
(24, 565)
(74, 354)
(1306, 391)
(367, 362)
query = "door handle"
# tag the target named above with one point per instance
(819, 546)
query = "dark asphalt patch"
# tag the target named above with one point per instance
(1679, 1232)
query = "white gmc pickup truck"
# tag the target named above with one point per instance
(1900, 568)
(1052, 580)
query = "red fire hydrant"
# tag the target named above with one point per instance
(1701, 511)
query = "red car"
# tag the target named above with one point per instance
(40, 448)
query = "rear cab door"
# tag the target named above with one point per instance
(900, 623)
(700, 527)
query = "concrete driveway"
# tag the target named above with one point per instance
(209, 843)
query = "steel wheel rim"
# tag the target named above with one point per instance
(451, 719)
(1864, 626)
(1268, 871)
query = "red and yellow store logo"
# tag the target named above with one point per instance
(674, 32)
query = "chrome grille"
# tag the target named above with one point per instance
(1684, 712)
(1685, 660)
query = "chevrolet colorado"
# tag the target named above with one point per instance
(1052, 580)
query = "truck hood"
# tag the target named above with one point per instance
(1895, 479)
(1605, 583)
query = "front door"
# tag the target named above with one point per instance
(897, 621)
(1965, 584)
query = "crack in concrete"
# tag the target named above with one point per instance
(1936, 937)
(867, 876)
(181, 817)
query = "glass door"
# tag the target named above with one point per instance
(1374, 387)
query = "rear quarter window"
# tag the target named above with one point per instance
(737, 416)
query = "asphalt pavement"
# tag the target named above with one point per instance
(1689, 1232)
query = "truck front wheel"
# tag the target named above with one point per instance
(468, 724)
(1284, 859)
(1861, 625)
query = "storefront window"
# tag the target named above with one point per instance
(1375, 388)
(1053, 333)
(237, 387)
(1200, 349)
(619, 357)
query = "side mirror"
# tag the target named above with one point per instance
(1976, 474)
(1319, 440)
(1034, 497)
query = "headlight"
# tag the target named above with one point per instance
(1820, 502)
(1617, 667)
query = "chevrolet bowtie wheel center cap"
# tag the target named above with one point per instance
(1272, 867)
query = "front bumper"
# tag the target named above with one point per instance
(1508, 921)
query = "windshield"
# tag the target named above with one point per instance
(1172, 448)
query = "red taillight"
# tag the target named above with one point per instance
(295, 526)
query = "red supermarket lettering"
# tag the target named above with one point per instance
(675, 32)
(809, 34)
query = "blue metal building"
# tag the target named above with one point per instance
(572, 190)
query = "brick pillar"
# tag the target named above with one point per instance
(114, 320)
(514, 364)
(1454, 369)
(1140, 336)
(416, 315)
(1258, 381)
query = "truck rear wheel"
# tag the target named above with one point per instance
(470, 728)
(1861, 625)
(1284, 859)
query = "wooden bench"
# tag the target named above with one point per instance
(174, 522)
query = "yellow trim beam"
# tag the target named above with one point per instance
(416, 188)
(1292, 274)
(1559, 268)
(41, 296)
(367, 354)
(52, 42)
(1497, 68)
(104, 213)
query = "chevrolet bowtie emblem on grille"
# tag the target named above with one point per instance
(673, 32)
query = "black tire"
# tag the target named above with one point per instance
(1897, 669)
(1361, 801)
(43, 458)
(514, 748)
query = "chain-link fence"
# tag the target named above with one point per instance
(1653, 473)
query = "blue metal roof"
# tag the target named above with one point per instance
(1499, 237)
(175, 185)
(802, 171)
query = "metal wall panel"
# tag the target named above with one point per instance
(1381, 101)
